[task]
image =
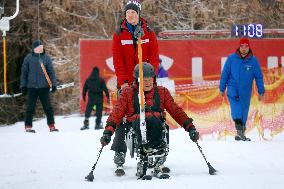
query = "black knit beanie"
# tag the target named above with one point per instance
(134, 5)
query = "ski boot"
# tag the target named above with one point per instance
(86, 125)
(119, 160)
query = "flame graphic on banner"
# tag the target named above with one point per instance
(211, 112)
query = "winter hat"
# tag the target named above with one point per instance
(36, 43)
(134, 5)
(96, 69)
(95, 73)
(244, 41)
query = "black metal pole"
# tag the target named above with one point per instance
(212, 171)
(90, 176)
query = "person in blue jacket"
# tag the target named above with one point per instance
(239, 71)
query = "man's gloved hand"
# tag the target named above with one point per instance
(193, 134)
(106, 138)
(53, 89)
(138, 32)
(24, 90)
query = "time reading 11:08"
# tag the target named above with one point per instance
(247, 30)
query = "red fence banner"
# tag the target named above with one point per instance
(194, 68)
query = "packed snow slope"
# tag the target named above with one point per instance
(61, 160)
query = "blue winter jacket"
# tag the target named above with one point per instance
(238, 75)
(32, 75)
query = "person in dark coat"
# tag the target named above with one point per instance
(126, 107)
(239, 71)
(37, 77)
(94, 86)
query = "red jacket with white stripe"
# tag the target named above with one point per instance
(125, 56)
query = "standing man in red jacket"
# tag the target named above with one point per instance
(125, 47)
(125, 57)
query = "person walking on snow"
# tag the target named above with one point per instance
(94, 86)
(157, 99)
(239, 71)
(125, 57)
(37, 77)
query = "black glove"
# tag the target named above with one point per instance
(24, 90)
(106, 138)
(53, 89)
(193, 134)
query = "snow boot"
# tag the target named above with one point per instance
(240, 127)
(86, 125)
(146, 177)
(159, 161)
(244, 131)
(98, 126)
(161, 171)
(119, 160)
(119, 171)
(142, 167)
(29, 129)
(52, 128)
(161, 175)
(164, 169)
(241, 136)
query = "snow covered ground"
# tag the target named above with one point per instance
(61, 160)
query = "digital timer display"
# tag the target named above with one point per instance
(247, 30)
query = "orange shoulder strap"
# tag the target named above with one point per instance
(45, 74)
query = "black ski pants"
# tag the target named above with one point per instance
(43, 95)
(154, 134)
(99, 109)
(119, 144)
